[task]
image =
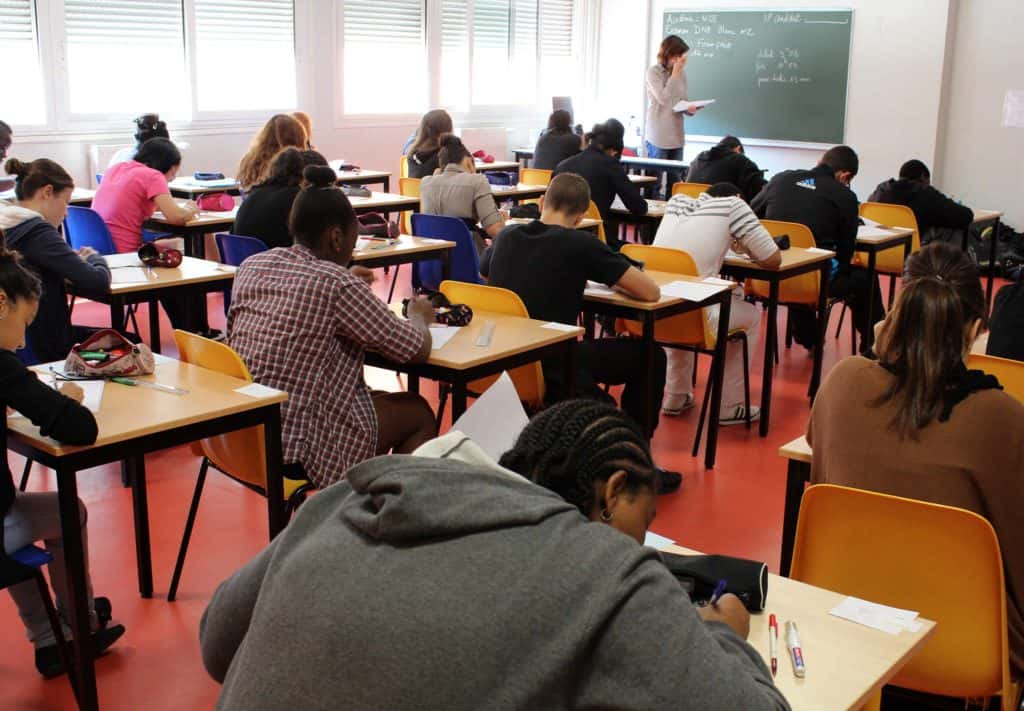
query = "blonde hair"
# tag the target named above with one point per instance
(281, 131)
(307, 123)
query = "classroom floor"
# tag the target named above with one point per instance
(735, 508)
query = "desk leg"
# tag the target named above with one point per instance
(797, 476)
(717, 373)
(649, 394)
(387, 184)
(194, 244)
(78, 605)
(872, 279)
(118, 321)
(154, 324)
(458, 400)
(991, 264)
(136, 468)
(446, 265)
(570, 370)
(588, 325)
(771, 342)
(819, 345)
(275, 481)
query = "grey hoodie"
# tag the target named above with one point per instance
(424, 583)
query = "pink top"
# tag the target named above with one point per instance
(125, 200)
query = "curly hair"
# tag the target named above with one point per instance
(281, 131)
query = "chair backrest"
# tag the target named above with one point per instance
(85, 228)
(241, 454)
(891, 260)
(528, 379)
(691, 189)
(235, 249)
(534, 176)
(409, 187)
(595, 214)
(464, 260)
(801, 289)
(1009, 372)
(403, 167)
(942, 561)
(689, 329)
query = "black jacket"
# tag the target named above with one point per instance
(552, 148)
(1006, 328)
(816, 199)
(50, 336)
(930, 207)
(264, 214)
(721, 165)
(607, 178)
(422, 163)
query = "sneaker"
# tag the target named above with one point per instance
(103, 610)
(214, 335)
(672, 405)
(48, 661)
(738, 415)
(668, 481)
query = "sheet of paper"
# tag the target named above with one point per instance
(866, 232)
(869, 222)
(495, 419)
(92, 390)
(363, 244)
(131, 275)
(717, 281)
(691, 105)
(818, 250)
(594, 289)
(555, 326)
(256, 390)
(653, 540)
(690, 290)
(127, 259)
(1013, 109)
(736, 255)
(892, 620)
(440, 335)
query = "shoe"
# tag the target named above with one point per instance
(214, 335)
(668, 481)
(101, 605)
(48, 661)
(738, 415)
(673, 407)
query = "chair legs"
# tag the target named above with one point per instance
(24, 475)
(892, 291)
(58, 630)
(444, 390)
(172, 592)
(394, 280)
(740, 336)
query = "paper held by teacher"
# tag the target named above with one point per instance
(685, 105)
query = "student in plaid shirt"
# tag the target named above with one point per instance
(301, 320)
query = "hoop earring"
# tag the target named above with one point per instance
(606, 515)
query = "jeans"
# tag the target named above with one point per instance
(672, 176)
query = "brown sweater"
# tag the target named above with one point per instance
(972, 461)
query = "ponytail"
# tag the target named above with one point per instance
(453, 150)
(36, 175)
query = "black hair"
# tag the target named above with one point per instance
(560, 121)
(149, 126)
(287, 166)
(606, 136)
(731, 143)
(841, 158)
(572, 446)
(914, 170)
(6, 128)
(453, 150)
(36, 175)
(723, 189)
(16, 280)
(319, 206)
(159, 154)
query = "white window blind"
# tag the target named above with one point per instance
(559, 73)
(384, 56)
(455, 74)
(23, 81)
(524, 53)
(253, 40)
(126, 57)
(492, 30)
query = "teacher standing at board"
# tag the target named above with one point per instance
(666, 87)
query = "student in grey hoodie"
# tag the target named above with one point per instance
(442, 581)
(43, 189)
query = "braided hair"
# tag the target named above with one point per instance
(572, 446)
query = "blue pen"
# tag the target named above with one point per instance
(719, 591)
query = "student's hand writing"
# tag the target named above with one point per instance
(363, 273)
(72, 391)
(421, 308)
(86, 252)
(729, 610)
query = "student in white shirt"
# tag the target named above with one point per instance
(705, 228)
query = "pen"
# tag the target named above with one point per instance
(796, 653)
(773, 642)
(146, 384)
(719, 591)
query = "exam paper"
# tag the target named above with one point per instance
(691, 290)
(653, 540)
(130, 275)
(594, 289)
(685, 105)
(867, 231)
(440, 335)
(818, 250)
(891, 620)
(555, 326)
(495, 419)
(256, 390)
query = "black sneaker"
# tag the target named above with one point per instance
(48, 658)
(103, 611)
(668, 481)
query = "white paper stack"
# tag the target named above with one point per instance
(693, 290)
(892, 620)
(440, 335)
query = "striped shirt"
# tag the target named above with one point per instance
(302, 325)
(706, 227)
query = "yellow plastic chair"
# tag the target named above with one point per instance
(890, 261)
(534, 176)
(595, 214)
(408, 187)
(403, 167)
(942, 561)
(529, 378)
(689, 331)
(693, 190)
(241, 455)
(1010, 372)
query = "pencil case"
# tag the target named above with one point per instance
(216, 202)
(699, 575)
(123, 356)
(208, 176)
(154, 255)
(445, 312)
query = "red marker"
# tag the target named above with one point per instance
(773, 642)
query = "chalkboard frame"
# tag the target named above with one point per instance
(658, 33)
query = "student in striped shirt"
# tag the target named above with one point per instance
(705, 228)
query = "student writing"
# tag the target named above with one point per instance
(557, 142)
(422, 154)
(936, 214)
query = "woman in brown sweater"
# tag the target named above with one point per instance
(918, 424)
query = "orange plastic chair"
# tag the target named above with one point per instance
(693, 190)
(890, 261)
(595, 214)
(689, 331)
(1010, 372)
(529, 378)
(534, 176)
(902, 552)
(241, 454)
(403, 167)
(408, 187)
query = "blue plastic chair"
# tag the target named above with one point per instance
(27, 356)
(85, 228)
(465, 262)
(235, 249)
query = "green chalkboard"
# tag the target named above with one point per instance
(777, 74)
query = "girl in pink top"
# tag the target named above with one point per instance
(131, 191)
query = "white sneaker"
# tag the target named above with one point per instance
(738, 415)
(674, 405)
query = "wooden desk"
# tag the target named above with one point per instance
(795, 261)
(518, 192)
(406, 251)
(847, 663)
(646, 225)
(134, 421)
(588, 223)
(523, 155)
(195, 277)
(510, 166)
(384, 202)
(194, 230)
(980, 218)
(648, 313)
(359, 176)
(516, 341)
(798, 474)
(80, 197)
(872, 245)
(188, 187)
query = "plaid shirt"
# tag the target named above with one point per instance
(302, 325)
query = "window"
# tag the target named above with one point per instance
(454, 74)
(385, 62)
(23, 80)
(559, 74)
(254, 43)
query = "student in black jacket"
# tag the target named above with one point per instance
(600, 167)
(264, 212)
(822, 200)
(422, 154)
(557, 142)
(931, 208)
(43, 190)
(727, 163)
(30, 517)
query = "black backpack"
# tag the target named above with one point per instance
(1006, 327)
